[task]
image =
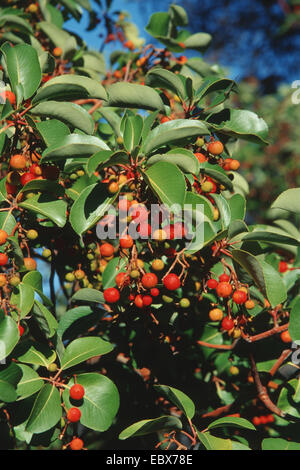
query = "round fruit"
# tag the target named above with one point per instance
(249, 304)
(207, 187)
(26, 177)
(224, 289)
(149, 280)
(15, 280)
(154, 292)
(171, 281)
(57, 51)
(139, 301)
(35, 169)
(124, 204)
(134, 274)
(234, 165)
(10, 96)
(3, 259)
(33, 8)
(74, 415)
(111, 295)
(76, 444)
(113, 187)
(32, 234)
(216, 214)
(79, 274)
(122, 279)
(52, 367)
(158, 265)
(239, 297)
(200, 157)
(47, 253)
(18, 162)
(212, 283)
(21, 330)
(256, 421)
(106, 249)
(147, 300)
(233, 370)
(184, 303)
(126, 241)
(3, 280)
(283, 266)
(227, 323)
(285, 337)
(3, 237)
(30, 264)
(215, 147)
(77, 392)
(224, 278)
(215, 314)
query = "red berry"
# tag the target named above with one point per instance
(224, 278)
(270, 419)
(224, 289)
(147, 300)
(171, 281)
(122, 279)
(256, 420)
(263, 420)
(126, 241)
(131, 297)
(283, 267)
(74, 415)
(239, 297)
(10, 188)
(144, 230)
(200, 157)
(227, 323)
(77, 392)
(26, 177)
(35, 169)
(21, 330)
(76, 444)
(111, 295)
(123, 204)
(154, 292)
(212, 283)
(139, 301)
(149, 280)
(3, 259)
(138, 211)
(106, 249)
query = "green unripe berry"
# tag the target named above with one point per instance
(46, 253)
(200, 141)
(70, 277)
(184, 303)
(134, 274)
(73, 176)
(90, 256)
(15, 280)
(80, 173)
(52, 367)
(32, 234)
(233, 370)
(207, 187)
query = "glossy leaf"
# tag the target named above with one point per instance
(288, 200)
(169, 191)
(74, 145)
(129, 95)
(53, 209)
(178, 398)
(23, 69)
(46, 411)
(148, 426)
(82, 349)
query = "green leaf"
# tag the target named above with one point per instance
(214, 84)
(217, 173)
(74, 315)
(9, 336)
(113, 267)
(162, 78)
(184, 159)
(89, 295)
(129, 95)
(70, 113)
(23, 69)
(172, 132)
(46, 411)
(7, 392)
(7, 221)
(30, 382)
(90, 206)
(100, 402)
(198, 41)
(52, 131)
(289, 398)
(23, 298)
(31, 352)
(74, 145)
(44, 204)
(148, 426)
(231, 422)
(270, 237)
(178, 15)
(288, 200)
(82, 349)
(132, 132)
(46, 321)
(43, 186)
(266, 278)
(167, 182)
(35, 280)
(271, 443)
(214, 443)
(294, 323)
(237, 204)
(180, 399)
(93, 88)
(241, 124)
(59, 38)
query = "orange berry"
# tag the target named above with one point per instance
(18, 162)
(285, 337)
(215, 147)
(3, 237)
(57, 51)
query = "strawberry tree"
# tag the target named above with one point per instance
(135, 298)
